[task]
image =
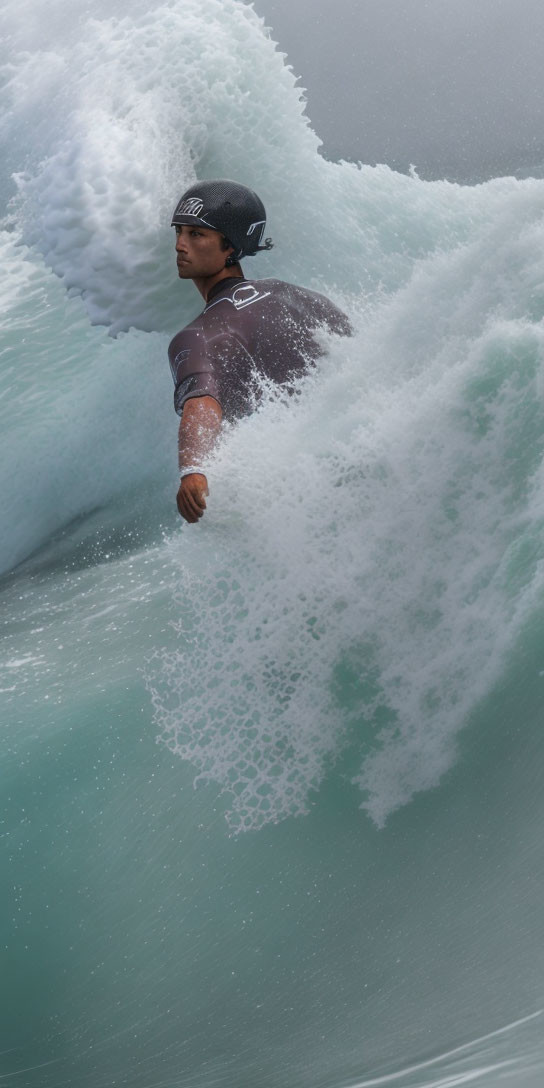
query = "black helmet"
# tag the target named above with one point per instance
(229, 208)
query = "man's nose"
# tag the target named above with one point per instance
(181, 244)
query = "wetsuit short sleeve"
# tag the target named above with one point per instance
(192, 369)
(211, 365)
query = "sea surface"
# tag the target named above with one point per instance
(271, 806)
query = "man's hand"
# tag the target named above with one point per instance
(190, 500)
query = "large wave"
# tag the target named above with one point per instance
(372, 550)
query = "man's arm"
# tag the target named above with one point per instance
(199, 428)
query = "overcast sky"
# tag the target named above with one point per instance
(454, 86)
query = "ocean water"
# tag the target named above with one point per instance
(271, 811)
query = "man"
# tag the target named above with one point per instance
(248, 330)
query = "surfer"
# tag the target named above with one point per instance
(249, 329)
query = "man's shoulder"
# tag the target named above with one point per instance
(307, 305)
(238, 308)
(249, 292)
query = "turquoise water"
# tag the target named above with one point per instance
(328, 871)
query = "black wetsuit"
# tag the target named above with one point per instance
(249, 329)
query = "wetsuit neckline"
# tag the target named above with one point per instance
(226, 282)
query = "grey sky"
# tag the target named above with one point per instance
(454, 86)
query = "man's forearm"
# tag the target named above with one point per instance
(199, 429)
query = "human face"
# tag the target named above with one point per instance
(199, 252)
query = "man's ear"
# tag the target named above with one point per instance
(226, 245)
(228, 249)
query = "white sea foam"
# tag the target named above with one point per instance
(368, 538)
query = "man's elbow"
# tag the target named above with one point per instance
(202, 410)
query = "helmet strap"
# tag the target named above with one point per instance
(234, 258)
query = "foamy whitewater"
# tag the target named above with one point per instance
(345, 657)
